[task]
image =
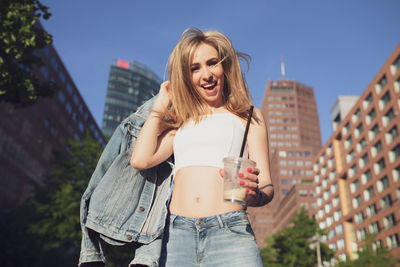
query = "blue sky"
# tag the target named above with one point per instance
(336, 47)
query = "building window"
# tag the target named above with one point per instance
(340, 244)
(328, 207)
(360, 145)
(68, 107)
(354, 186)
(329, 221)
(358, 130)
(394, 153)
(337, 215)
(62, 76)
(382, 184)
(319, 201)
(356, 115)
(334, 188)
(388, 117)
(339, 229)
(69, 88)
(395, 66)
(335, 201)
(303, 193)
(392, 241)
(348, 142)
(284, 192)
(384, 100)
(327, 194)
(391, 135)
(381, 84)
(44, 71)
(368, 193)
(61, 96)
(356, 201)
(332, 174)
(396, 174)
(359, 217)
(350, 156)
(325, 183)
(371, 210)
(386, 202)
(379, 166)
(365, 177)
(376, 148)
(321, 213)
(352, 171)
(363, 160)
(389, 221)
(374, 228)
(367, 101)
(370, 117)
(346, 129)
(361, 234)
(373, 132)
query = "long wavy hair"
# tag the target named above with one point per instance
(187, 103)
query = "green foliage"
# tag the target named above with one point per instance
(291, 246)
(369, 257)
(58, 203)
(20, 36)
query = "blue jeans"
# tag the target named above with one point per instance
(222, 240)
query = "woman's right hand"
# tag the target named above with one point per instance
(163, 100)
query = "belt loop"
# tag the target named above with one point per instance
(172, 218)
(221, 223)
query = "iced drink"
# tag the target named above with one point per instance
(233, 191)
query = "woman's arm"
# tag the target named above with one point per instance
(259, 184)
(151, 148)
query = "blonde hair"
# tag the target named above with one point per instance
(187, 103)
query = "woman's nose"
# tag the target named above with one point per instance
(207, 74)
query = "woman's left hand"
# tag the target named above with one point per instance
(249, 180)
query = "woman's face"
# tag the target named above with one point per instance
(207, 74)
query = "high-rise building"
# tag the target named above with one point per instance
(129, 86)
(340, 109)
(291, 115)
(357, 172)
(29, 135)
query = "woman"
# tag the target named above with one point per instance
(205, 98)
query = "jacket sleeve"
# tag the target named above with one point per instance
(91, 250)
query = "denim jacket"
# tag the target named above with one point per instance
(122, 204)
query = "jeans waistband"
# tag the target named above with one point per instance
(219, 220)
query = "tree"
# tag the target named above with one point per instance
(370, 257)
(291, 246)
(20, 35)
(57, 205)
(58, 202)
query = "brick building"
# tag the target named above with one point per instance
(291, 115)
(357, 172)
(29, 135)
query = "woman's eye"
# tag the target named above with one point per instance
(194, 68)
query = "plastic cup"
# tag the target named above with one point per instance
(233, 191)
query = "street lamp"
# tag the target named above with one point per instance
(314, 243)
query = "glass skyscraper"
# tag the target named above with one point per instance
(130, 84)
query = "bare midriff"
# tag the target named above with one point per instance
(198, 192)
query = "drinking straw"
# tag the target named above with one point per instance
(247, 130)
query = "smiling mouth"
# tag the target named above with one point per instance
(209, 86)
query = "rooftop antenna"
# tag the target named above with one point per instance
(282, 67)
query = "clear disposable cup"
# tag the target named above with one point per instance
(233, 191)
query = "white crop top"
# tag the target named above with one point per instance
(216, 136)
